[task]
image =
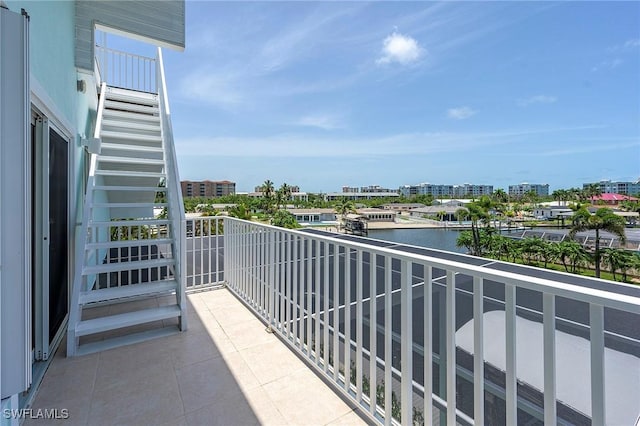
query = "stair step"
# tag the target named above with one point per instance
(110, 134)
(132, 290)
(113, 322)
(131, 125)
(128, 243)
(131, 97)
(126, 266)
(128, 147)
(129, 116)
(131, 173)
(125, 106)
(130, 188)
(130, 160)
(129, 339)
(139, 222)
(128, 205)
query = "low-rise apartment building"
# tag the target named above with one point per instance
(207, 188)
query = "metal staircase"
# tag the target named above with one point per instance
(128, 284)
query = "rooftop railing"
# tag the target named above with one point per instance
(387, 327)
(126, 70)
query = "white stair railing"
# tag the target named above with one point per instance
(174, 192)
(80, 281)
(127, 70)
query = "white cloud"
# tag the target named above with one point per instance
(461, 113)
(632, 43)
(324, 122)
(608, 65)
(537, 99)
(400, 48)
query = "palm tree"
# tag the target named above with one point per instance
(602, 220)
(568, 250)
(267, 192)
(344, 207)
(499, 196)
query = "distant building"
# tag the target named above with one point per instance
(314, 216)
(368, 189)
(292, 188)
(541, 189)
(355, 196)
(402, 207)
(439, 190)
(612, 187)
(378, 215)
(611, 199)
(207, 188)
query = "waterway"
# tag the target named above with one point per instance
(439, 239)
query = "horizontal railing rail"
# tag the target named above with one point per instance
(126, 70)
(305, 287)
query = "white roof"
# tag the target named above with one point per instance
(573, 371)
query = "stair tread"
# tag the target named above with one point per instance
(115, 342)
(131, 222)
(131, 116)
(127, 106)
(132, 173)
(123, 95)
(128, 205)
(130, 147)
(131, 290)
(113, 322)
(129, 188)
(129, 160)
(114, 134)
(126, 266)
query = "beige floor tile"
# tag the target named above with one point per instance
(208, 381)
(123, 365)
(248, 333)
(271, 361)
(233, 315)
(350, 418)
(147, 399)
(304, 389)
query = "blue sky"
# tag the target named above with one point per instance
(328, 94)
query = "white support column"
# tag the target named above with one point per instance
(359, 315)
(549, 347)
(388, 339)
(406, 342)
(511, 385)
(428, 344)
(478, 351)
(451, 347)
(596, 325)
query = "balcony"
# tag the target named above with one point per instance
(556, 348)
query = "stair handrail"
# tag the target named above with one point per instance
(81, 253)
(173, 189)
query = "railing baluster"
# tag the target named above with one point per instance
(359, 315)
(406, 341)
(510, 330)
(549, 347)
(428, 344)
(373, 332)
(451, 348)
(388, 362)
(309, 294)
(347, 319)
(596, 323)
(316, 308)
(295, 315)
(336, 311)
(478, 351)
(325, 306)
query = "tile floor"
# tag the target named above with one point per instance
(225, 370)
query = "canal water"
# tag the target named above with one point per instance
(439, 239)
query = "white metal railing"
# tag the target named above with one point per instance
(204, 247)
(174, 191)
(126, 70)
(307, 287)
